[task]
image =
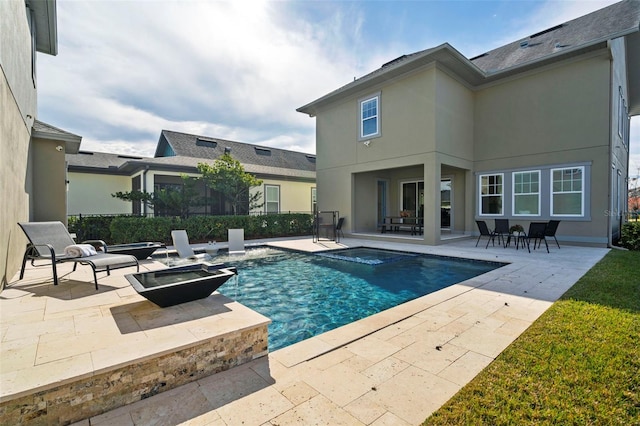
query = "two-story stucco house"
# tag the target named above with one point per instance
(32, 176)
(288, 177)
(534, 130)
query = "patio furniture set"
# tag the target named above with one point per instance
(538, 232)
(51, 242)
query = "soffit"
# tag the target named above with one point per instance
(633, 71)
(44, 13)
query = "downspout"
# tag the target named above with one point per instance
(144, 189)
(610, 165)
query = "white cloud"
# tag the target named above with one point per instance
(224, 68)
(234, 70)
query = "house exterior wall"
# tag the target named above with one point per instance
(49, 195)
(547, 118)
(17, 110)
(427, 122)
(90, 193)
(619, 138)
(295, 196)
(433, 125)
(408, 131)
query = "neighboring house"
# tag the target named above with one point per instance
(634, 203)
(534, 130)
(288, 176)
(32, 179)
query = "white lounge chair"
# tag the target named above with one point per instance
(182, 246)
(236, 241)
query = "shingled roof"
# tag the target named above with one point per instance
(43, 130)
(608, 23)
(182, 152)
(581, 35)
(207, 148)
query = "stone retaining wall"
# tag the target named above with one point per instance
(91, 396)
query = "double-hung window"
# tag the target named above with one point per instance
(526, 193)
(370, 117)
(491, 194)
(272, 198)
(567, 191)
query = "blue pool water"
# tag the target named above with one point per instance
(307, 294)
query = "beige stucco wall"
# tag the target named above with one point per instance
(90, 193)
(17, 109)
(454, 118)
(556, 117)
(426, 121)
(619, 143)
(49, 196)
(295, 196)
(436, 126)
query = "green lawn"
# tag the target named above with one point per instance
(579, 363)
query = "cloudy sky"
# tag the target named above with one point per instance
(239, 69)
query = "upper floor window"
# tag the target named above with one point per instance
(526, 193)
(491, 194)
(370, 117)
(621, 114)
(567, 191)
(272, 198)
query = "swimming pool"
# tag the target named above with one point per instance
(307, 294)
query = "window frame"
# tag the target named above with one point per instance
(514, 194)
(314, 199)
(361, 119)
(266, 201)
(582, 191)
(620, 113)
(481, 196)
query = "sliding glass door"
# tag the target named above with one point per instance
(412, 201)
(445, 203)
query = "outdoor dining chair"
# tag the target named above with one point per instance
(550, 230)
(502, 228)
(486, 232)
(537, 234)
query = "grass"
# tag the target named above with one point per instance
(579, 363)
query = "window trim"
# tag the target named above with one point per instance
(266, 202)
(378, 132)
(480, 195)
(552, 192)
(314, 199)
(514, 194)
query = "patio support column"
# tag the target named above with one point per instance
(431, 200)
(470, 208)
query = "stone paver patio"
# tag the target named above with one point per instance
(393, 368)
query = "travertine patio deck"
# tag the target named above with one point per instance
(395, 367)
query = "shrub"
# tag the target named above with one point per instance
(630, 236)
(92, 228)
(132, 229)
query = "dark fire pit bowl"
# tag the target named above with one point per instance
(140, 250)
(172, 286)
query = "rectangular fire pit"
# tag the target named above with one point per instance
(140, 250)
(172, 286)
